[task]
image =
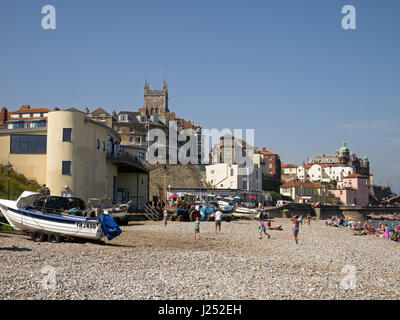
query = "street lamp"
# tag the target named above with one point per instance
(9, 168)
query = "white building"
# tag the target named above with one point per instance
(227, 176)
(323, 172)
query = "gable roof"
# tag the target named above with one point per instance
(99, 111)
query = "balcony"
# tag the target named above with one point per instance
(127, 162)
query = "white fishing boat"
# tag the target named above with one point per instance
(246, 213)
(21, 215)
(118, 212)
(248, 216)
(246, 210)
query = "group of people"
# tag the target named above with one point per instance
(217, 218)
(368, 228)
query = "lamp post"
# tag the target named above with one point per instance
(9, 168)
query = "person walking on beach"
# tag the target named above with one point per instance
(197, 228)
(295, 229)
(218, 219)
(262, 229)
(165, 217)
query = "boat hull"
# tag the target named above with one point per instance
(246, 210)
(72, 226)
(250, 216)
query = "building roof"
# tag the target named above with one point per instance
(288, 165)
(98, 112)
(298, 183)
(132, 116)
(355, 175)
(37, 110)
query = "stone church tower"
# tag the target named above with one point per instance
(155, 101)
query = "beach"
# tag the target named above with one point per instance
(151, 261)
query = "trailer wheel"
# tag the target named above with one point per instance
(181, 218)
(54, 238)
(38, 237)
(172, 218)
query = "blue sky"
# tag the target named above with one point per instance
(285, 68)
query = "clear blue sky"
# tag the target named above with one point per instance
(285, 68)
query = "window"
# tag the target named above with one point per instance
(231, 184)
(104, 146)
(212, 171)
(28, 144)
(20, 115)
(222, 185)
(103, 117)
(119, 129)
(131, 139)
(123, 118)
(98, 144)
(67, 134)
(137, 139)
(66, 168)
(41, 115)
(131, 130)
(141, 156)
(270, 165)
(31, 115)
(244, 185)
(232, 172)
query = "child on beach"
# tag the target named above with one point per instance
(197, 228)
(262, 229)
(165, 217)
(295, 229)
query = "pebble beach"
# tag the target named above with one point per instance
(151, 261)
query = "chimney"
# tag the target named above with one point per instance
(86, 110)
(25, 107)
(264, 149)
(56, 109)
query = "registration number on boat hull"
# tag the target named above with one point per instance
(87, 225)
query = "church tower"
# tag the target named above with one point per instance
(155, 101)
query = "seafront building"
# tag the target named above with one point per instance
(327, 168)
(226, 171)
(26, 117)
(302, 192)
(75, 156)
(353, 190)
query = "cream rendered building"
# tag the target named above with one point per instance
(78, 157)
(227, 176)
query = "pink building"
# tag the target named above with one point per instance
(353, 190)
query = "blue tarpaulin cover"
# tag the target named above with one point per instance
(109, 226)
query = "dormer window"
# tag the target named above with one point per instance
(123, 118)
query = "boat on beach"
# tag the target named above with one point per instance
(23, 216)
(118, 212)
(246, 210)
